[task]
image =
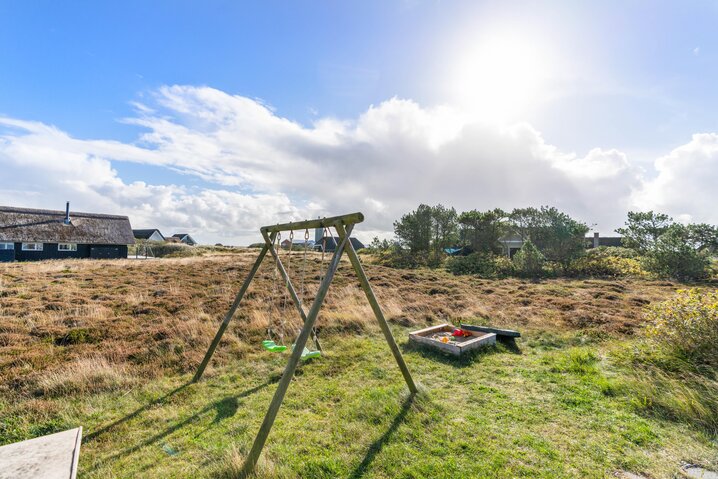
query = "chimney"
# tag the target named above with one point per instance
(67, 213)
(595, 239)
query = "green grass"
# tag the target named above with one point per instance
(551, 407)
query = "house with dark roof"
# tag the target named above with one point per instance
(598, 240)
(148, 235)
(184, 238)
(512, 243)
(31, 234)
(329, 243)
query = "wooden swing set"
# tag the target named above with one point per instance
(343, 225)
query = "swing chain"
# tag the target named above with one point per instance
(304, 267)
(275, 289)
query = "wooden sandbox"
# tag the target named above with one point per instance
(431, 337)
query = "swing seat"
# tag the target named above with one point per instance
(270, 345)
(308, 353)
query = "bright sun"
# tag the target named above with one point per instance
(499, 77)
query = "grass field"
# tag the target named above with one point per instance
(111, 346)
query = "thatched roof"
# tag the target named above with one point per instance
(47, 226)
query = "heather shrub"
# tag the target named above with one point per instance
(161, 250)
(504, 266)
(404, 259)
(606, 262)
(686, 327)
(481, 264)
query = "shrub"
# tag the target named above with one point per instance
(612, 252)
(174, 250)
(529, 261)
(686, 326)
(607, 261)
(673, 257)
(504, 266)
(402, 258)
(79, 336)
(481, 264)
(676, 255)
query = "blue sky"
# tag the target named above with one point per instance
(630, 81)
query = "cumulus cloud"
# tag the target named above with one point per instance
(685, 181)
(259, 168)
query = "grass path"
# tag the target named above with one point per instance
(549, 410)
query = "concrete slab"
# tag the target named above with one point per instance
(695, 472)
(629, 475)
(49, 457)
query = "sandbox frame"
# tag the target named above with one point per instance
(344, 225)
(479, 339)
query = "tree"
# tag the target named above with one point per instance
(674, 255)
(528, 260)
(414, 230)
(703, 237)
(525, 222)
(445, 228)
(428, 229)
(559, 237)
(564, 238)
(378, 245)
(483, 230)
(643, 230)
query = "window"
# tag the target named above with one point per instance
(32, 246)
(67, 246)
(7, 245)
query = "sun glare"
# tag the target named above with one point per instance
(499, 77)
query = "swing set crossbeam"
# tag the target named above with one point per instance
(345, 220)
(343, 225)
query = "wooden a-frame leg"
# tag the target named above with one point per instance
(271, 415)
(351, 253)
(288, 282)
(233, 309)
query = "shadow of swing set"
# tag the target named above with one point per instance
(343, 225)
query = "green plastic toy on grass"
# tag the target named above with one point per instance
(270, 345)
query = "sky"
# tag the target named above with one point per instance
(217, 117)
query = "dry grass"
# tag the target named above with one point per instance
(84, 376)
(150, 317)
(106, 344)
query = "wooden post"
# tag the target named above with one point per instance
(271, 415)
(233, 309)
(288, 283)
(344, 235)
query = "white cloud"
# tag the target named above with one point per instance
(685, 184)
(261, 168)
